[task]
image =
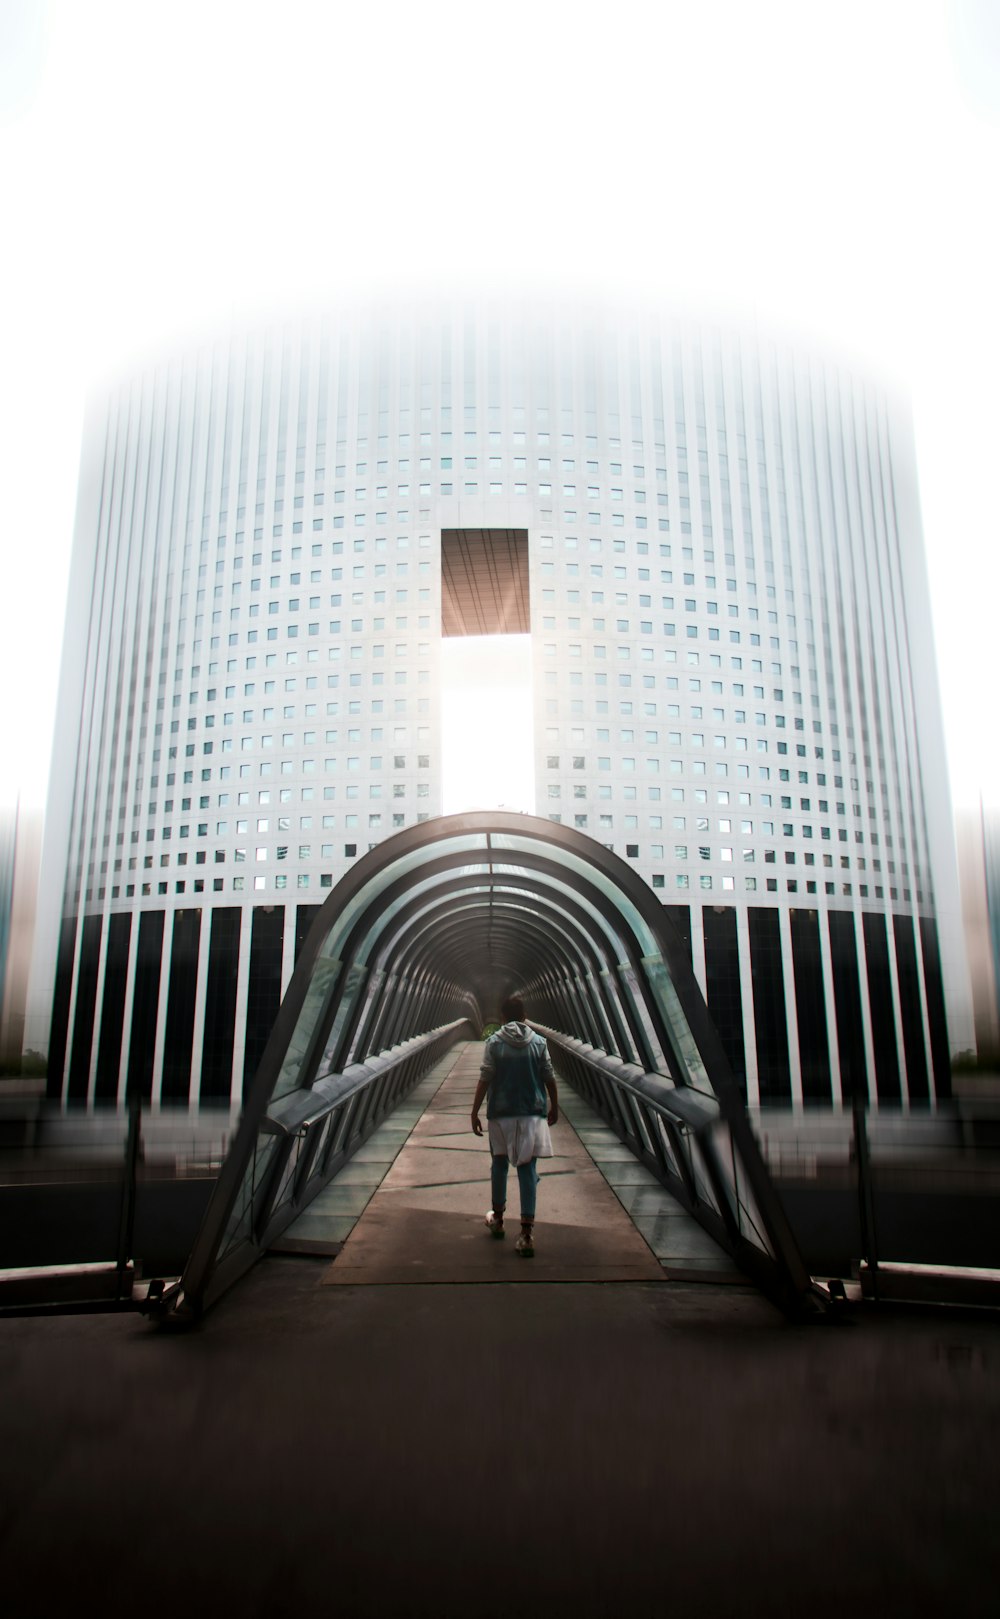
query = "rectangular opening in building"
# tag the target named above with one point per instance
(487, 702)
(484, 581)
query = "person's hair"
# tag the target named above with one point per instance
(512, 1009)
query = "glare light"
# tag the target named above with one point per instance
(487, 723)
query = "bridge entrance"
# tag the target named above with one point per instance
(411, 954)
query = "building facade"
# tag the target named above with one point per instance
(714, 541)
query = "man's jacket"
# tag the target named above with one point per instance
(515, 1066)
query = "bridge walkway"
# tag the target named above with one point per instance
(409, 1207)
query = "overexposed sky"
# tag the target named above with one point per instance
(832, 169)
(487, 723)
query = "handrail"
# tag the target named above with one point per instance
(704, 1152)
(281, 1160)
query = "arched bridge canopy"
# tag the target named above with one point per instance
(443, 920)
(420, 942)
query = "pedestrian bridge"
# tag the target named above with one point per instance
(409, 956)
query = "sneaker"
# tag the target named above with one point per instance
(525, 1245)
(494, 1225)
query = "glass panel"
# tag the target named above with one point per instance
(694, 1072)
(623, 1037)
(598, 1012)
(587, 1030)
(356, 975)
(706, 1190)
(666, 1148)
(603, 1091)
(881, 1003)
(620, 1109)
(319, 1156)
(769, 1010)
(384, 878)
(238, 1226)
(386, 913)
(682, 1149)
(749, 1217)
(639, 1114)
(344, 1125)
(546, 880)
(220, 1004)
(722, 984)
(471, 899)
(586, 873)
(287, 1185)
(375, 981)
(651, 1057)
(324, 977)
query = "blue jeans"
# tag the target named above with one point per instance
(527, 1180)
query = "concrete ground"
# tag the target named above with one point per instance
(625, 1448)
(449, 1448)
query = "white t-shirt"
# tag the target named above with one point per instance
(520, 1139)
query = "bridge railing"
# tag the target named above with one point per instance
(282, 1159)
(704, 1155)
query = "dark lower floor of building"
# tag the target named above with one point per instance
(812, 1006)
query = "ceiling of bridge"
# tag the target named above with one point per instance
(484, 581)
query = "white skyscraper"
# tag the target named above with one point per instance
(714, 542)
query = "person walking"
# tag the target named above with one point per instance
(516, 1075)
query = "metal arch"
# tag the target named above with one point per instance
(361, 930)
(652, 1040)
(578, 890)
(493, 892)
(458, 904)
(444, 930)
(324, 1038)
(496, 903)
(591, 964)
(517, 940)
(526, 945)
(460, 861)
(483, 826)
(478, 825)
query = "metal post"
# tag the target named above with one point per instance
(126, 1222)
(866, 1202)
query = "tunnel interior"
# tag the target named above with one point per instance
(415, 948)
(444, 920)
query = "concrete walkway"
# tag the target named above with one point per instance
(410, 1205)
(426, 1221)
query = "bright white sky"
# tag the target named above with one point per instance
(487, 723)
(829, 168)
